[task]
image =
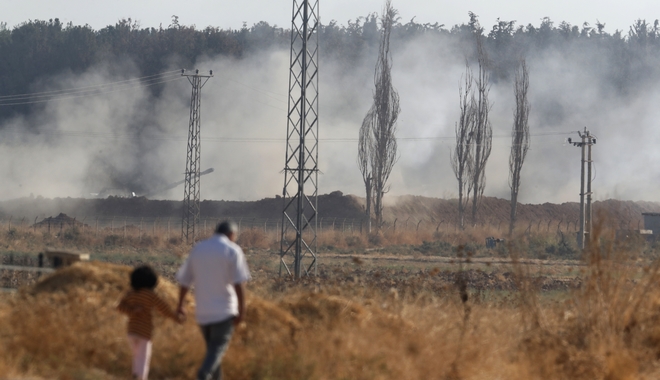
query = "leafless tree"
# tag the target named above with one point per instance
(519, 137)
(482, 130)
(364, 153)
(461, 157)
(377, 152)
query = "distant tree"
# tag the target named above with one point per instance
(36, 50)
(482, 130)
(377, 144)
(519, 137)
(461, 156)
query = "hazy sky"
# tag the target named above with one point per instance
(232, 13)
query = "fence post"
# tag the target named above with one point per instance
(124, 228)
(97, 227)
(153, 231)
(35, 224)
(168, 227)
(9, 229)
(265, 223)
(140, 230)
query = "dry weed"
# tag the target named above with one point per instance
(339, 326)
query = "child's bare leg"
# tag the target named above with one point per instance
(141, 348)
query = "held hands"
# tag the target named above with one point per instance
(238, 319)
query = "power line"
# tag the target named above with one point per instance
(95, 92)
(133, 136)
(77, 89)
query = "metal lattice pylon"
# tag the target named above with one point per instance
(299, 219)
(191, 189)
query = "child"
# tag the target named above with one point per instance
(138, 304)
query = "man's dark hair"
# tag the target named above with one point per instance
(226, 227)
(143, 277)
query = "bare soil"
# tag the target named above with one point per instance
(403, 209)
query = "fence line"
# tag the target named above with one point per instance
(170, 227)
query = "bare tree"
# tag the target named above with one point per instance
(461, 157)
(377, 144)
(365, 143)
(519, 137)
(482, 130)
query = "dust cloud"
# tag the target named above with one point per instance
(134, 141)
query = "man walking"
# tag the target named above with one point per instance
(216, 267)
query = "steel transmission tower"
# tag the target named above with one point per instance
(299, 219)
(192, 185)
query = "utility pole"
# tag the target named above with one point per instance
(299, 217)
(590, 142)
(191, 189)
(587, 140)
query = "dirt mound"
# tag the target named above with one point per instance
(333, 205)
(68, 321)
(67, 324)
(495, 212)
(406, 210)
(60, 220)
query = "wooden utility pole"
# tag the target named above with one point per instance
(585, 212)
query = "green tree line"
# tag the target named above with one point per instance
(36, 50)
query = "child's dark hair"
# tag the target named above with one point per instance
(143, 277)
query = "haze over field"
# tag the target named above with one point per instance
(136, 139)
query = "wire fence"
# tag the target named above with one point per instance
(172, 227)
(145, 226)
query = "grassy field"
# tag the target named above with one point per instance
(383, 307)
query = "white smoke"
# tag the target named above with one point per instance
(137, 141)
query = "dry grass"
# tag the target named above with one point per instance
(342, 328)
(159, 239)
(351, 323)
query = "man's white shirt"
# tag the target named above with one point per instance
(212, 268)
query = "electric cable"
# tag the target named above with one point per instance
(132, 136)
(78, 89)
(96, 92)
